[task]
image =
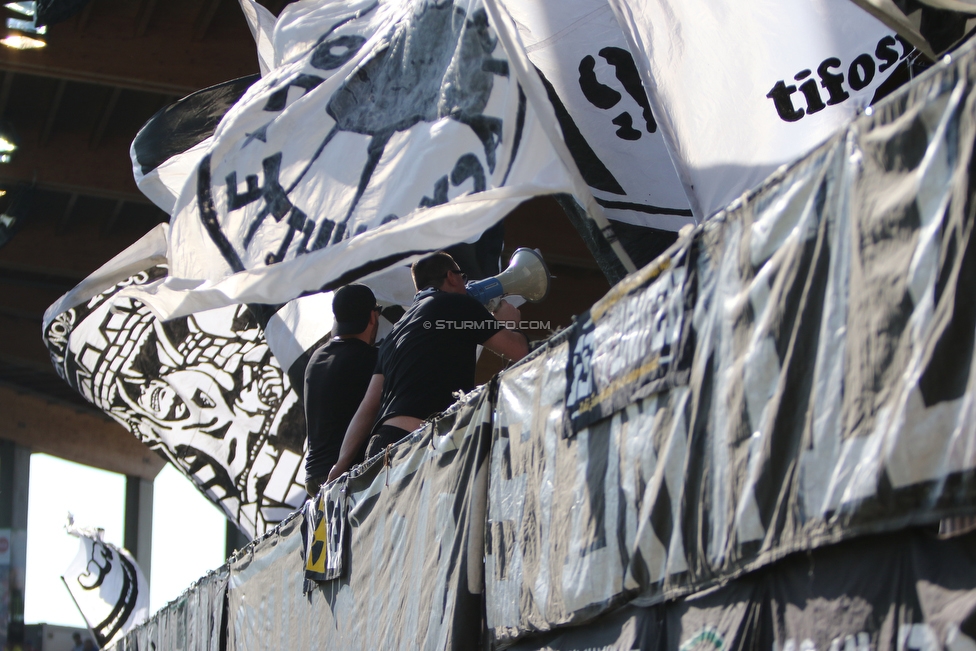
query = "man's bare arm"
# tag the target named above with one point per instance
(509, 344)
(359, 427)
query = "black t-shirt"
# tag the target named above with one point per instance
(335, 382)
(431, 353)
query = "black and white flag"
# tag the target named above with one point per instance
(205, 390)
(738, 90)
(799, 371)
(591, 79)
(387, 130)
(107, 585)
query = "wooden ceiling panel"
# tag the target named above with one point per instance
(540, 223)
(30, 95)
(80, 107)
(69, 165)
(24, 300)
(165, 59)
(76, 105)
(137, 219)
(41, 247)
(43, 424)
(22, 333)
(88, 214)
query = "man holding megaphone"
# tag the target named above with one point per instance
(430, 354)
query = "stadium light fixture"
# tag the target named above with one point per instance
(26, 26)
(24, 34)
(28, 9)
(9, 143)
(21, 42)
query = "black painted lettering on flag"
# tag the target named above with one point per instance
(108, 587)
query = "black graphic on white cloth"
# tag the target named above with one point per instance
(393, 89)
(101, 562)
(605, 97)
(595, 171)
(860, 74)
(204, 390)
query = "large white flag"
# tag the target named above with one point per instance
(387, 130)
(579, 50)
(739, 89)
(170, 145)
(107, 585)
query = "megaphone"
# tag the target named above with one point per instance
(527, 276)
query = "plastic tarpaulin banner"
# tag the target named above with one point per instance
(829, 394)
(411, 571)
(899, 592)
(195, 621)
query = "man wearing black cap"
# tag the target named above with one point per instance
(336, 379)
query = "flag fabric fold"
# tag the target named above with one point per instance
(582, 56)
(205, 391)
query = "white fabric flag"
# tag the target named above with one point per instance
(171, 144)
(393, 130)
(740, 89)
(261, 22)
(107, 585)
(579, 48)
(163, 183)
(214, 392)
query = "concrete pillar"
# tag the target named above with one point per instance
(138, 521)
(14, 489)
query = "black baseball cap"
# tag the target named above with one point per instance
(351, 306)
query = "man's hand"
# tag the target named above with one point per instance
(511, 344)
(508, 312)
(334, 472)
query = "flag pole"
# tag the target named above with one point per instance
(88, 625)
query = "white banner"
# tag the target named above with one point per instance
(205, 391)
(740, 89)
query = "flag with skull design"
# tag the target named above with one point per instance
(384, 130)
(390, 128)
(387, 130)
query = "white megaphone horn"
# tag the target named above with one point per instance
(527, 276)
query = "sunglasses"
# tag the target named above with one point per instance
(464, 276)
